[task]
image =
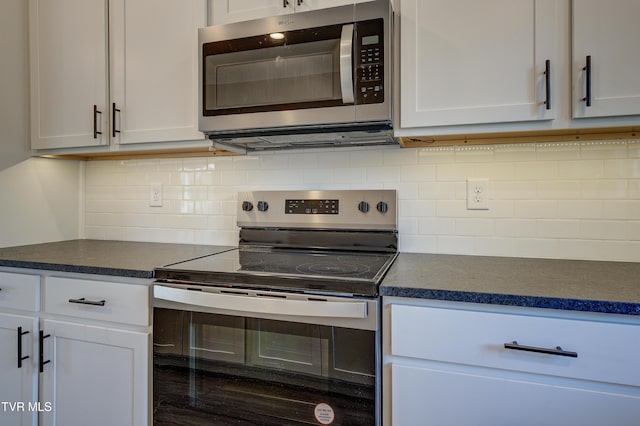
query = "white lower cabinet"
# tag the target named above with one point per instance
(96, 375)
(95, 353)
(19, 388)
(461, 364)
(19, 303)
(81, 359)
(435, 396)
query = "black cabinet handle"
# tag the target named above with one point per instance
(113, 121)
(285, 3)
(300, 2)
(547, 79)
(41, 344)
(84, 301)
(20, 357)
(587, 69)
(553, 351)
(95, 121)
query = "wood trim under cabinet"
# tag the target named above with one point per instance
(134, 155)
(536, 136)
(539, 136)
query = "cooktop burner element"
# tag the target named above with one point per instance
(333, 268)
(307, 241)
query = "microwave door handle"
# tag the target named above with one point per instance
(257, 305)
(346, 61)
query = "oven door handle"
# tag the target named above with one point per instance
(263, 305)
(346, 61)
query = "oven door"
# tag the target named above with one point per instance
(235, 357)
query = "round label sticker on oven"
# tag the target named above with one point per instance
(324, 414)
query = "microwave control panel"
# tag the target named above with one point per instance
(369, 62)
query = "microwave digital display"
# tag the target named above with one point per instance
(373, 39)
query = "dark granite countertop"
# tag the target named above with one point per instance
(591, 286)
(102, 257)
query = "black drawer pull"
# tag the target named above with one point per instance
(587, 69)
(20, 357)
(113, 121)
(547, 79)
(95, 121)
(41, 341)
(553, 351)
(83, 301)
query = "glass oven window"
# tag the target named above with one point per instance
(247, 371)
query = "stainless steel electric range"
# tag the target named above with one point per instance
(285, 328)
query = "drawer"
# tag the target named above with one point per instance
(606, 352)
(97, 300)
(19, 291)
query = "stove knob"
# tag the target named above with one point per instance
(263, 206)
(382, 207)
(247, 206)
(363, 206)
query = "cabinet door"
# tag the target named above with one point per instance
(68, 73)
(441, 397)
(607, 32)
(226, 11)
(458, 67)
(304, 5)
(97, 376)
(19, 384)
(154, 69)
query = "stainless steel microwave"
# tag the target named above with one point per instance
(312, 78)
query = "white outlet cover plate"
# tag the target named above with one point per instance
(477, 194)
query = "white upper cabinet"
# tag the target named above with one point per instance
(609, 35)
(226, 11)
(114, 72)
(154, 73)
(69, 86)
(470, 62)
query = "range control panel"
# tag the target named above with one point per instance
(339, 209)
(312, 206)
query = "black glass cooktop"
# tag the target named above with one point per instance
(285, 269)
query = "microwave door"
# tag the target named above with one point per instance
(306, 78)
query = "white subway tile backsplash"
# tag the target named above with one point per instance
(558, 151)
(604, 150)
(578, 200)
(534, 170)
(581, 169)
(436, 155)
(580, 209)
(604, 189)
(558, 190)
(456, 245)
(417, 173)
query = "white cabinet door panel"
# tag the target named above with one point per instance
(458, 66)
(154, 73)
(68, 73)
(18, 385)
(434, 397)
(97, 376)
(609, 33)
(226, 11)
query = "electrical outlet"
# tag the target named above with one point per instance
(477, 194)
(155, 195)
